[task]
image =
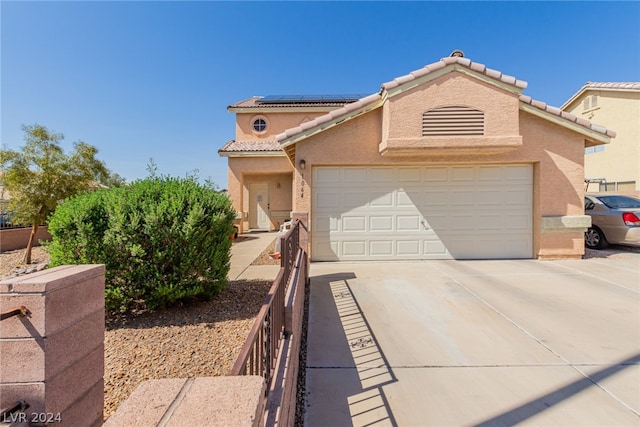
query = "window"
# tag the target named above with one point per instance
(590, 102)
(618, 186)
(259, 125)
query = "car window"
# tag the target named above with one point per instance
(588, 204)
(620, 202)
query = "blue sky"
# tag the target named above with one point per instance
(144, 80)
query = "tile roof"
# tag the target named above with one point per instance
(480, 68)
(244, 146)
(612, 85)
(567, 116)
(466, 62)
(253, 102)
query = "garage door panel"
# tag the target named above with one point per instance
(493, 197)
(434, 248)
(422, 212)
(381, 199)
(435, 199)
(461, 199)
(408, 248)
(435, 174)
(381, 248)
(461, 222)
(355, 248)
(464, 174)
(327, 176)
(408, 223)
(328, 200)
(518, 222)
(325, 250)
(404, 199)
(354, 199)
(381, 223)
(437, 221)
(491, 174)
(381, 175)
(517, 197)
(354, 175)
(517, 173)
(354, 223)
(409, 175)
(489, 223)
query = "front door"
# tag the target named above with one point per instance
(259, 206)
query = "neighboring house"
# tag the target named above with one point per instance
(449, 161)
(615, 105)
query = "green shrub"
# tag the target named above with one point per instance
(161, 239)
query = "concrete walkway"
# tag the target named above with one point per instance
(244, 250)
(475, 343)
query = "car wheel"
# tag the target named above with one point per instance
(594, 238)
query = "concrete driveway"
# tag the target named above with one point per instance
(475, 343)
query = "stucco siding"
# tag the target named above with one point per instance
(618, 161)
(500, 108)
(276, 122)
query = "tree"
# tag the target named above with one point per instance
(41, 175)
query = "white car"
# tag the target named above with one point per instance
(614, 219)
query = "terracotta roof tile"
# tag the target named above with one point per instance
(239, 146)
(481, 68)
(613, 85)
(570, 117)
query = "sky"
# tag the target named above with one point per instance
(152, 80)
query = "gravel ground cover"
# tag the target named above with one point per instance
(264, 258)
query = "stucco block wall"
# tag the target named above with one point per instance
(204, 401)
(53, 358)
(12, 239)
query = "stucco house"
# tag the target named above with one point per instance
(616, 105)
(448, 161)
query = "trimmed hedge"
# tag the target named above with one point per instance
(162, 239)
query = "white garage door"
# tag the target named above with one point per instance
(387, 213)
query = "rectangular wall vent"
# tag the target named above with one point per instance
(453, 121)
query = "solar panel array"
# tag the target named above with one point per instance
(296, 99)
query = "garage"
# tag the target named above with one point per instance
(422, 212)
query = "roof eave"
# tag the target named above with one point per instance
(589, 133)
(258, 109)
(287, 141)
(574, 98)
(278, 153)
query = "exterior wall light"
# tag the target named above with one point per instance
(302, 164)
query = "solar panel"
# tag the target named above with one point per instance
(290, 99)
